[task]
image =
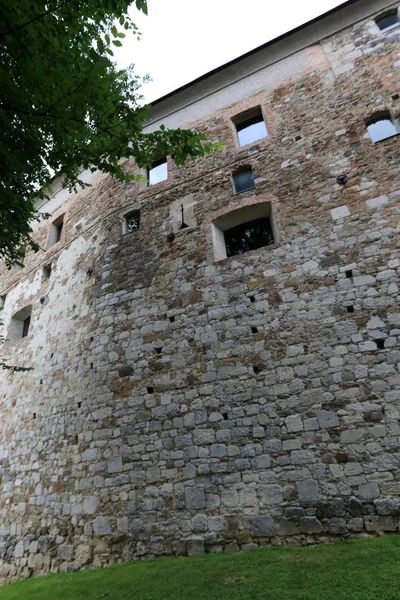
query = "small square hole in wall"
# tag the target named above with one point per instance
(172, 319)
(252, 298)
(297, 138)
(254, 330)
(395, 96)
(34, 415)
(91, 365)
(225, 416)
(350, 309)
(256, 369)
(150, 390)
(79, 404)
(380, 344)
(158, 350)
(349, 274)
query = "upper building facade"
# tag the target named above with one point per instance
(215, 355)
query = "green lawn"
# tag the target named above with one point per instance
(365, 569)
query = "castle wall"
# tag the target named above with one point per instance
(178, 404)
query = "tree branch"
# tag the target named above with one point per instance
(47, 12)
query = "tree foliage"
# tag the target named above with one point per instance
(65, 105)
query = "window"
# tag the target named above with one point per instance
(20, 324)
(243, 180)
(56, 230)
(46, 272)
(158, 171)
(382, 126)
(250, 126)
(249, 236)
(247, 228)
(388, 20)
(131, 221)
(2, 301)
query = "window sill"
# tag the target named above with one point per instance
(268, 248)
(389, 137)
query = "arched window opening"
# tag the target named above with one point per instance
(381, 126)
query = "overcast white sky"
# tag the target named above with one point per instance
(183, 39)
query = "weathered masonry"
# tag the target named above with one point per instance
(216, 355)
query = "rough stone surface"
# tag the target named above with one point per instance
(181, 402)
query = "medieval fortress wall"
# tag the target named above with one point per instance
(182, 402)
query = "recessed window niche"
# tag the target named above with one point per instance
(20, 324)
(131, 222)
(246, 228)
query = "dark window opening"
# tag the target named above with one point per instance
(2, 301)
(59, 231)
(297, 138)
(380, 344)
(395, 96)
(158, 171)
(249, 236)
(382, 126)
(34, 415)
(388, 20)
(254, 330)
(132, 221)
(350, 309)
(171, 319)
(79, 404)
(252, 298)
(158, 350)
(25, 327)
(150, 390)
(256, 369)
(251, 129)
(243, 180)
(46, 272)
(349, 274)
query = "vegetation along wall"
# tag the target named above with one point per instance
(215, 356)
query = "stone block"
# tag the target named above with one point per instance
(91, 505)
(307, 490)
(114, 464)
(263, 526)
(101, 526)
(340, 212)
(270, 494)
(327, 419)
(374, 203)
(195, 546)
(376, 523)
(294, 423)
(194, 498)
(369, 491)
(310, 525)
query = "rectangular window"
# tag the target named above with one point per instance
(46, 272)
(158, 171)
(249, 236)
(25, 327)
(243, 180)
(250, 126)
(131, 221)
(56, 230)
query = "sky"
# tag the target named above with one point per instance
(183, 39)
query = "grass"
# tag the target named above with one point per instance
(364, 569)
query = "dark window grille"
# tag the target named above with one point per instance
(243, 180)
(25, 327)
(249, 236)
(388, 19)
(132, 221)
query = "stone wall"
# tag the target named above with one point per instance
(178, 405)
